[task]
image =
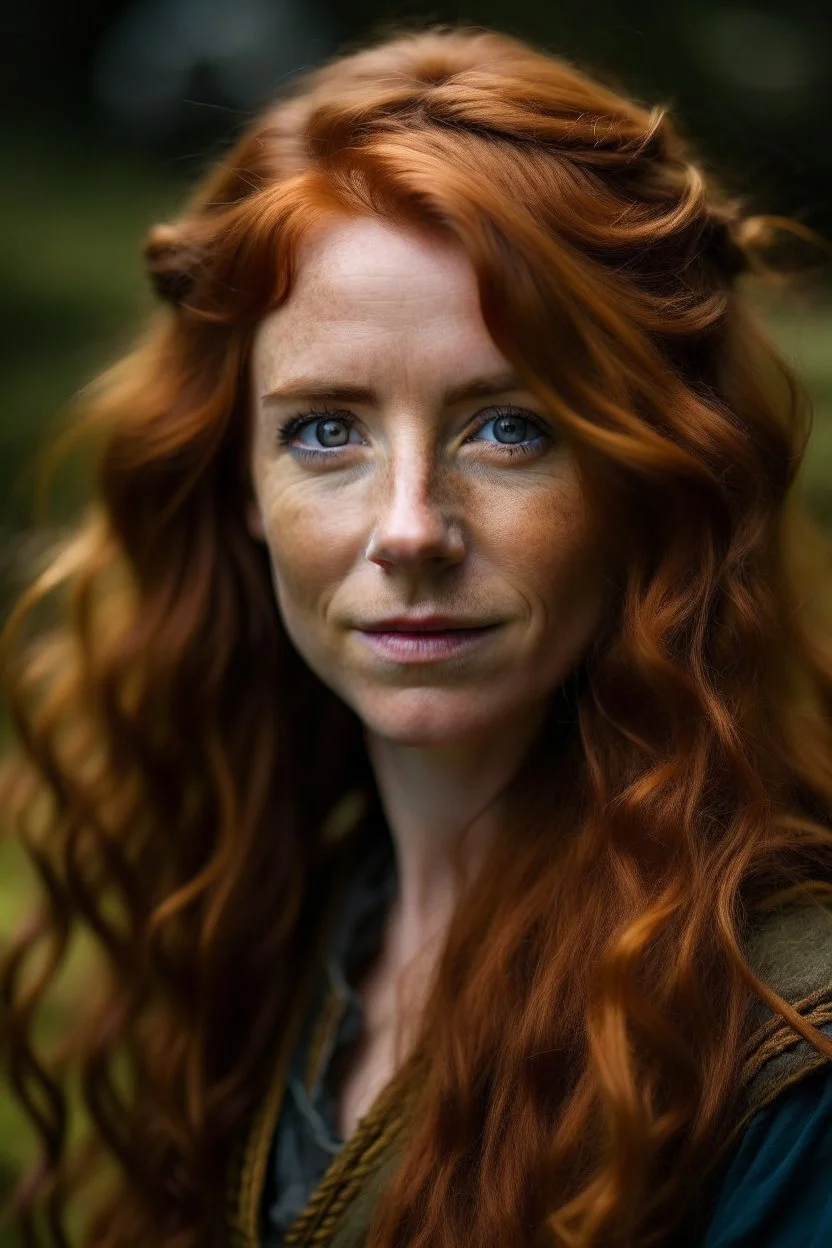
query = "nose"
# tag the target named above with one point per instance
(414, 526)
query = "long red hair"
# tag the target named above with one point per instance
(586, 1023)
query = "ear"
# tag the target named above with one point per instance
(254, 521)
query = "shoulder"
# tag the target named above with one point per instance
(772, 1167)
(790, 949)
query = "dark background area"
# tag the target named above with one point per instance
(111, 109)
(162, 79)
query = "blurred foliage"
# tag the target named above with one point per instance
(73, 288)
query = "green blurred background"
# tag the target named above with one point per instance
(112, 109)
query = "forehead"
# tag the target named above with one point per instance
(352, 258)
(362, 286)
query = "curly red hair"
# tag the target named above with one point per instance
(587, 1020)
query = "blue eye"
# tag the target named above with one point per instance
(511, 426)
(331, 430)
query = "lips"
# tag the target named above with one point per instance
(425, 624)
(425, 645)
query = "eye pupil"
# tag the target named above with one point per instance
(341, 433)
(514, 426)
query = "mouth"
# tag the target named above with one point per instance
(425, 644)
(425, 624)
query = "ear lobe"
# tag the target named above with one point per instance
(254, 521)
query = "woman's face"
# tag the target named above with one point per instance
(398, 496)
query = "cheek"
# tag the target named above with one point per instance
(312, 544)
(548, 556)
(542, 541)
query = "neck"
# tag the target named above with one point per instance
(430, 795)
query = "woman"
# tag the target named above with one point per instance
(435, 725)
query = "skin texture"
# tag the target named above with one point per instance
(418, 508)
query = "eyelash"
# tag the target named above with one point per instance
(292, 426)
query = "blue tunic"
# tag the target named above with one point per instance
(774, 1190)
(777, 1189)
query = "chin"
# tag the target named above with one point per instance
(426, 717)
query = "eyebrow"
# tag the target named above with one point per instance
(335, 391)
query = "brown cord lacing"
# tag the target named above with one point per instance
(785, 1037)
(805, 1006)
(354, 1164)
